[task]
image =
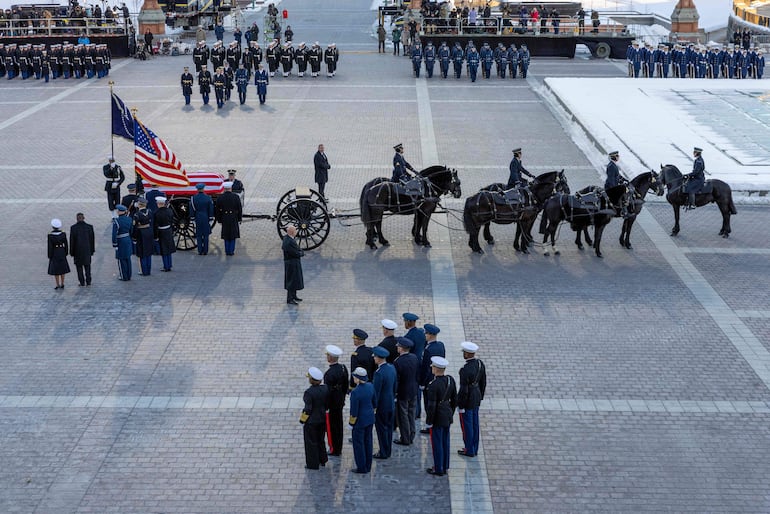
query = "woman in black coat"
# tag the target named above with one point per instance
(292, 266)
(57, 253)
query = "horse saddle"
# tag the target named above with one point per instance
(590, 201)
(514, 196)
(706, 188)
(413, 187)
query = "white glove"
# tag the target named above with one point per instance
(428, 426)
(461, 411)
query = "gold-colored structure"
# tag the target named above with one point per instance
(753, 11)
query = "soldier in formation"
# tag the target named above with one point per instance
(694, 61)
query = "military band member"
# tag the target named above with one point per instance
(402, 170)
(313, 418)
(204, 84)
(202, 209)
(517, 169)
(440, 403)
(613, 172)
(261, 80)
(473, 384)
(362, 405)
(162, 231)
(314, 56)
(142, 234)
(336, 379)
(115, 177)
(300, 57)
(220, 84)
(362, 357)
(57, 253)
(229, 214)
(187, 84)
(697, 178)
(121, 241)
(331, 56)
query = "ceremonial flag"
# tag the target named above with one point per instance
(122, 120)
(155, 161)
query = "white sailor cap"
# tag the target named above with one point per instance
(439, 362)
(361, 374)
(160, 199)
(315, 373)
(334, 351)
(389, 324)
(228, 185)
(469, 347)
(56, 223)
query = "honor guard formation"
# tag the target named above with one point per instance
(694, 61)
(390, 386)
(55, 61)
(509, 62)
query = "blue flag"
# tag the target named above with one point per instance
(122, 120)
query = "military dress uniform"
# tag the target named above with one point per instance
(417, 336)
(363, 403)
(162, 231)
(696, 179)
(516, 169)
(513, 60)
(407, 368)
(473, 385)
(430, 58)
(457, 59)
(487, 57)
(220, 83)
(204, 84)
(202, 208)
(385, 384)
(313, 419)
(337, 380)
(200, 55)
(362, 357)
(300, 57)
(187, 83)
(440, 403)
(121, 241)
(242, 83)
(524, 58)
(261, 80)
(229, 214)
(314, 56)
(613, 172)
(473, 58)
(57, 251)
(444, 56)
(331, 56)
(400, 166)
(115, 177)
(142, 233)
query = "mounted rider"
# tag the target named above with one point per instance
(696, 179)
(401, 168)
(614, 178)
(516, 168)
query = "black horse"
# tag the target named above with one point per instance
(521, 206)
(380, 195)
(714, 190)
(591, 206)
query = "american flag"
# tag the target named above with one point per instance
(155, 161)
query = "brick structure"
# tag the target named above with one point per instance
(684, 23)
(152, 17)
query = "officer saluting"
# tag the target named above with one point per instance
(400, 166)
(697, 178)
(516, 169)
(613, 172)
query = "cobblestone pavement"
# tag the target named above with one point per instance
(634, 382)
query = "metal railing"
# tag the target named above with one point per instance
(749, 14)
(566, 26)
(59, 26)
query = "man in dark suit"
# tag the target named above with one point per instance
(322, 168)
(293, 280)
(407, 366)
(385, 393)
(82, 248)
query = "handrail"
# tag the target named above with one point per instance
(66, 25)
(568, 26)
(749, 14)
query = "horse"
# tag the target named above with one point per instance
(714, 190)
(491, 205)
(380, 195)
(591, 206)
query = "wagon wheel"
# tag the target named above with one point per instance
(291, 196)
(310, 218)
(184, 225)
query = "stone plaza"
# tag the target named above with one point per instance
(636, 382)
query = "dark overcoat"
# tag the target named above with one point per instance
(229, 215)
(292, 265)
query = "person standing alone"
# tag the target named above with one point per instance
(322, 168)
(82, 248)
(292, 266)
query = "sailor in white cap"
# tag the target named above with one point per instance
(57, 253)
(336, 379)
(331, 56)
(473, 384)
(163, 232)
(389, 339)
(440, 402)
(313, 418)
(314, 56)
(229, 214)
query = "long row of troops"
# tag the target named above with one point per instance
(54, 61)
(508, 61)
(691, 61)
(385, 387)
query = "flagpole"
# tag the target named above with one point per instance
(137, 177)
(112, 136)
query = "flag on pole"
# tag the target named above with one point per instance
(122, 120)
(155, 161)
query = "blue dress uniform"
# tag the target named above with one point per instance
(703, 63)
(362, 404)
(697, 178)
(261, 79)
(665, 62)
(473, 384)
(187, 84)
(487, 57)
(513, 60)
(440, 403)
(517, 169)
(430, 59)
(142, 234)
(457, 59)
(202, 208)
(473, 59)
(444, 56)
(407, 366)
(417, 336)
(385, 384)
(121, 241)
(760, 64)
(503, 64)
(400, 166)
(613, 172)
(524, 60)
(242, 82)
(416, 58)
(162, 222)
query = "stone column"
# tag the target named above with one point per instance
(684, 23)
(151, 17)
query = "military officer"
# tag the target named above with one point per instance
(613, 171)
(220, 84)
(416, 55)
(229, 215)
(362, 357)
(121, 241)
(261, 80)
(487, 57)
(331, 56)
(400, 166)
(233, 55)
(313, 418)
(473, 384)
(513, 60)
(697, 178)
(272, 54)
(362, 405)
(385, 394)
(407, 367)
(300, 57)
(524, 58)
(314, 56)
(242, 82)
(389, 339)
(143, 235)
(187, 83)
(336, 379)
(517, 169)
(473, 59)
(200, 55)
(287, 59)
(115, 177)
(440, 403)
(162, 222)
(237, 184)
(457, 59)
(229, 80)
(204, 84)
(433, 348)
(202, 209)
(417, 335)
(444, 56)
(430, 58)
(130, 199)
